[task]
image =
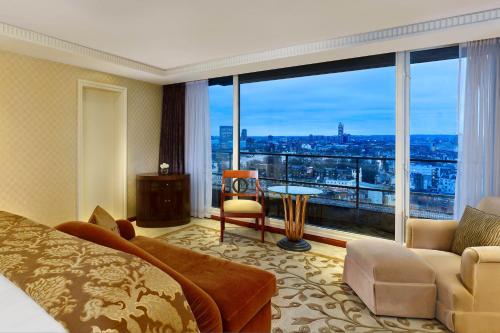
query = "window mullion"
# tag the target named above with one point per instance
(402, 143)
(236, 123)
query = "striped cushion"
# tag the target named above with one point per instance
(476, 228)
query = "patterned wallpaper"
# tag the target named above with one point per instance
(38, 135)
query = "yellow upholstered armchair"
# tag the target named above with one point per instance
(468, 286)
(252, 208)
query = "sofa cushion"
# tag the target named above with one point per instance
(103, 219)
(240, 291)
(451, 293)
(490, 205)
(242, 206)
(387, 261)
(390, 279)
(476, 228)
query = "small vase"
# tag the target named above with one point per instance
(164, 171)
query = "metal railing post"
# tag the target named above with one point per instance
(357, 183)
(286, 169)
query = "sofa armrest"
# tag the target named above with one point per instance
(126, 228)
(480, 273)
(430, 234)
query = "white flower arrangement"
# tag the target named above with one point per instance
(164, 168)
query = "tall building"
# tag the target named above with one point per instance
(226, 137)
(342, 138)
(243, 140)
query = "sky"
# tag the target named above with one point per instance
(364, 101)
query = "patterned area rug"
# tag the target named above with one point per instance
(311, 296)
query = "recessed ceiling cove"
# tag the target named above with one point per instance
(173, 35)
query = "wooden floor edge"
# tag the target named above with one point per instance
(314, 238)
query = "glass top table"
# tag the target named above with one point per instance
(294, 190)
(295, 213)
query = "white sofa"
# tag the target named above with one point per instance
(468, 286)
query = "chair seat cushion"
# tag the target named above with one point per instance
(240, 291)
(242, 206)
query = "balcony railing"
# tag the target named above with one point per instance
(342, 179)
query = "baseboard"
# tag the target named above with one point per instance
(275, 230)
(314, 238)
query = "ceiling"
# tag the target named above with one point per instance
(168, 34)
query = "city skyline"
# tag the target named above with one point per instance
(244, 133)
(330, 162)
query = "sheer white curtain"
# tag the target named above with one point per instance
(479, 123)
(198, 150)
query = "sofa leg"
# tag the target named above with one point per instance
(222, 227)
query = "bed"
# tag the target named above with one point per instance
(66, 284)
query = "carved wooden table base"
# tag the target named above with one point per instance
(295, 214)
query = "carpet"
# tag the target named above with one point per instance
(311, 296)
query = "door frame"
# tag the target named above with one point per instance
(122, 91)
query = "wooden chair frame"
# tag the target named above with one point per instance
(258, 195)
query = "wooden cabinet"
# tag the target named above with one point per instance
(162, 200)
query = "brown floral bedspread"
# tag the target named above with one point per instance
(88, 287)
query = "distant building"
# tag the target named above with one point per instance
(342, 138)
(435, 178)
(446, 185)
(226, 137)
(418, 182)
(243, 139)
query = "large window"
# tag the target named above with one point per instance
(332, 130)
(221, 127)
(433, 132)
(333, 126)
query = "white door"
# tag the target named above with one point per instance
(102, 151)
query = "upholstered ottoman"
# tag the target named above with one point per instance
(390, 279)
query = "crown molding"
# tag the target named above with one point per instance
(62, 45)
(318, 47)
(342, 42)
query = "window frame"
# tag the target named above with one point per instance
(402, 61)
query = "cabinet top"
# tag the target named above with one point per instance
(157, 176)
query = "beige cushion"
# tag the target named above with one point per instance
(388, 261)
(102, 218)
(390, 279)
(490, 205)
(451, 293)
(476, 228)
(242, 206)
(430, 234)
